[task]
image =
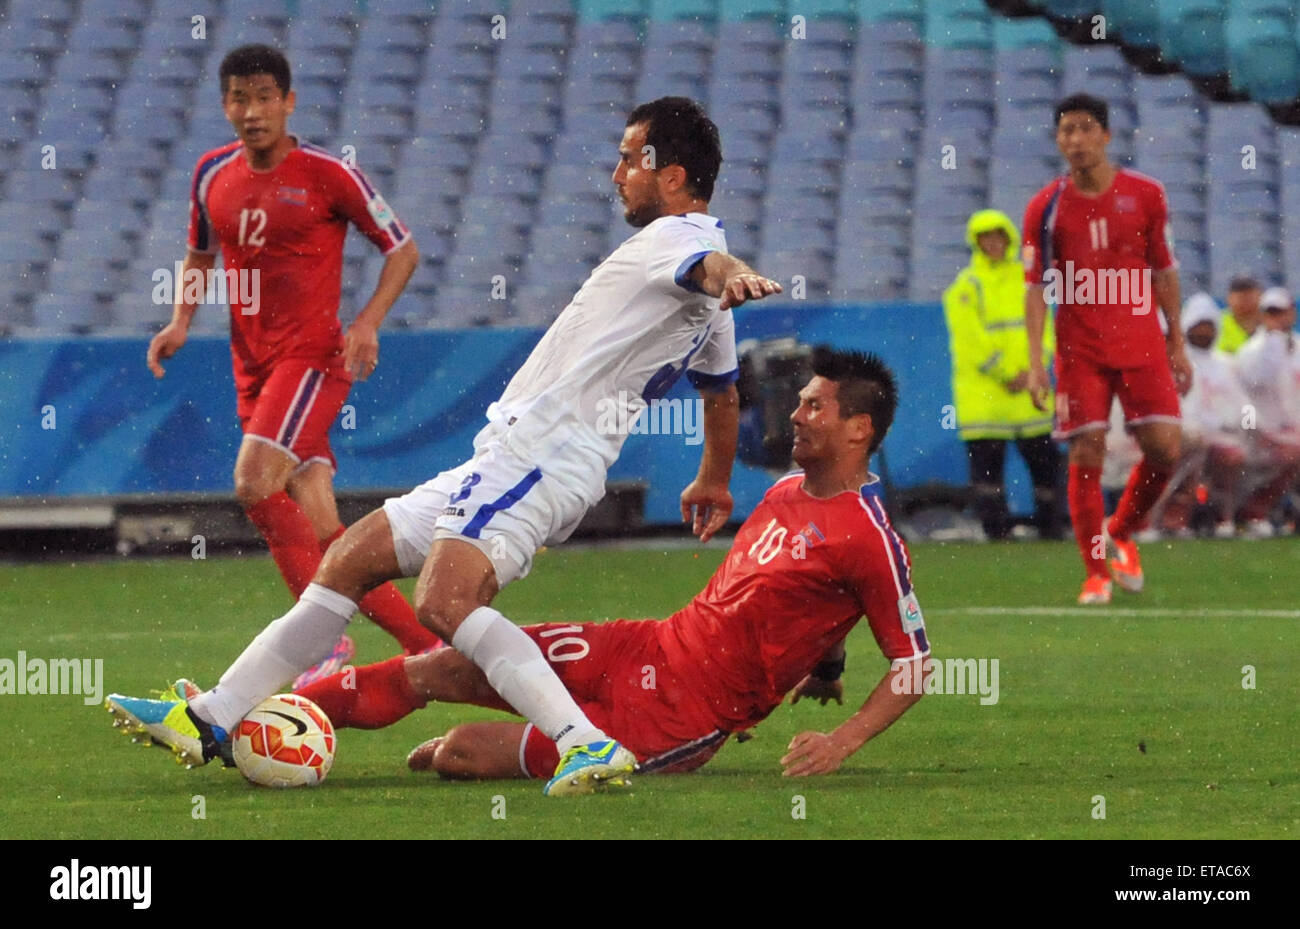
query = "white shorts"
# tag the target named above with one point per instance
(503, 504)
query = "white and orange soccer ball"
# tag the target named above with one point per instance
(286, 741)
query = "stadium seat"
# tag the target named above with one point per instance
(597, 11)
(1262, 57)
(873, 11)
(662, 11)
(1192, 32)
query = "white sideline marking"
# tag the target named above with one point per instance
(1103, 611)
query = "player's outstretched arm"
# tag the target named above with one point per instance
(822, 753)
(706, 501)
(721, 275)
(169, 341)
(361, 342)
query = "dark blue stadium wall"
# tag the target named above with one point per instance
(118, 431)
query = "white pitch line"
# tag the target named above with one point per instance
(1104, 611)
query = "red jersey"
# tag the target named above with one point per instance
(287, 224)
(799, 575)
(1095, 257)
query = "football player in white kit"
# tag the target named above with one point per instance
(655, 309)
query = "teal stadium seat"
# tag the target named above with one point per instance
(1192, 33)
(1137, 22)
(1011, 34)
(1262, 56)
(1073, 9)
(826, 9)
(734, 11)
(663, 11)
(958, 31)
(597, 11)
(874, 11)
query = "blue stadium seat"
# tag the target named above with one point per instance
(546, 9)
(1262, 57)
(1137, 24)
(668, 10)
(872, 11)
(66, 313)
(1192, 32)
(730, 11)
(597, 11)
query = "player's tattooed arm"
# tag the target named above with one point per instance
(172, 336)
(706, 501)
(721, 275)
(824, 682)
(1168, 295)
(1036, 381)
(822, 752)
(361, 342)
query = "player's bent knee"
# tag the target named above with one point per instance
(252, 489)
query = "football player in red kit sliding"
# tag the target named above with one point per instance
(278, 210)
(1097, 246)
(817, 554)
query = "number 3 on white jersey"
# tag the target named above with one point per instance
(252, 237)
(768, 545)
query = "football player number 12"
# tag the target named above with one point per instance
(252, 236)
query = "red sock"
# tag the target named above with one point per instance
(292, 540)
(380, 695)
(1087, 509)
(1146, 483)
(391, 612)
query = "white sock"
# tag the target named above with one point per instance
(517, 670)
(283, 650)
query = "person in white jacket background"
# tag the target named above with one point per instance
(1268, 367)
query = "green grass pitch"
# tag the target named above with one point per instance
(1142, 703)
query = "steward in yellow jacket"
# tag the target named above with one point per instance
(985, 310)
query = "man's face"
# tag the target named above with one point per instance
(257, 110)
(820, 433)
(1244, 303)
(993, 243)
(1202, 334)
(1081, 139)
(637, 179)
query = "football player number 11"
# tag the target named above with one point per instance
(1097, 232)
(255, 218)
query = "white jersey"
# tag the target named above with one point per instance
(1268, 366)
(633, 328)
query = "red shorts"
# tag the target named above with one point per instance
(618, 675)
(294, 408)
(1085, 390)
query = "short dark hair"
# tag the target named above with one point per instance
(1094, 106)
(681, 133)
(248, 60)
(1242, 282)
(865, 385)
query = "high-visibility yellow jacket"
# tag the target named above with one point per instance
(1231, 335)
(985, 309)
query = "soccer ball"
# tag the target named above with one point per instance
(286, 741)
